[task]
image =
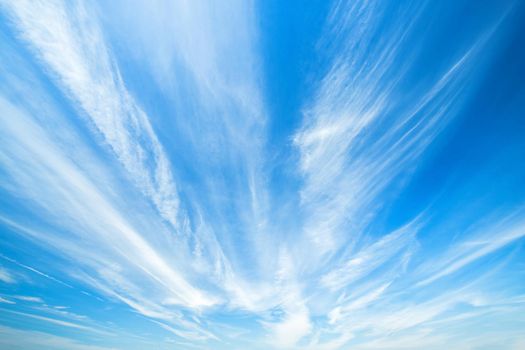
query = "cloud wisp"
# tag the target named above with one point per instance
(142, 201)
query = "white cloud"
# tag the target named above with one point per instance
(6, 301)
(12, 338)
(123, 258)
(484, 241)
(69, 43)
(58, 322)
(370, 258)
(71, 47)
(293, 322)
(359, 142)
(5, 276)
(30, 299)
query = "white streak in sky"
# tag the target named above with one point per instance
(32, 269)
(28, 298)
(485, 242)
(56, 322)
(11, 337)
(70, 44)
(5, 276)
(122, 256)
(346, 159)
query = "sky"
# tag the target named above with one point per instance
(262, 174)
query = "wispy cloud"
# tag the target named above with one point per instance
(479, 244)
(32, 269)
(6, 301)
(357, 140)
(139, 190)
(69, 43)
(55, 321)
(15, 337)
(88, 75)
(292, 321)
(27, 298)
(5, 276)
(397, 245)
(80, 201)
(358, 144)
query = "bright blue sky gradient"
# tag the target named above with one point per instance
(262, 175)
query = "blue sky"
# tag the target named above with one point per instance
(262, 174)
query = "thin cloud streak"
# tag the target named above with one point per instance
(80, 198)
(68, 41)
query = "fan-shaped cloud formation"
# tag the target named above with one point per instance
(246, 175)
